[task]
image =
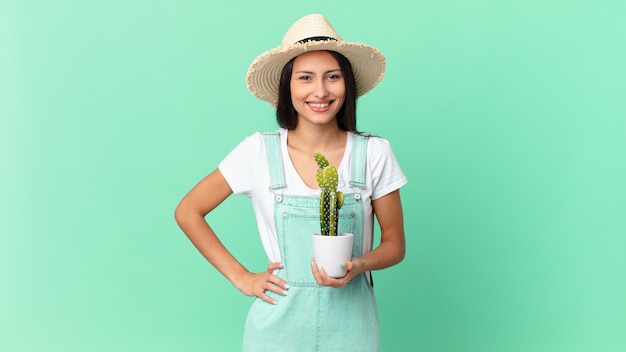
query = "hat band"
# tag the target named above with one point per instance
(314, 39)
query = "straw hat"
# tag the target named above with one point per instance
(311, 33)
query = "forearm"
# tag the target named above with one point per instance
(387, 254)
(391, 251)
(208, 244)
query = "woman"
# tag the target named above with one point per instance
(313, 80)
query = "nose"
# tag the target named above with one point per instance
(320, 89)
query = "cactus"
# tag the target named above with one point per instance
(331, 200)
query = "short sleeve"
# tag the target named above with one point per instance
(242, 164)
(387, 176)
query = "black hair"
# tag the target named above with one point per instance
(286, 114)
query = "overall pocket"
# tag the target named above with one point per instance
(295, 225)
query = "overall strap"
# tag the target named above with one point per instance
(274, 159)
(359, 160)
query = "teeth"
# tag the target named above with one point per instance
(319, 105)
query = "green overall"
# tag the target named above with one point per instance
(313, 317)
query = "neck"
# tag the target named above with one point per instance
(319, 139)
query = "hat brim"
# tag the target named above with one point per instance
(368, 65)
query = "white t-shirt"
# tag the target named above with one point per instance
(245, 169)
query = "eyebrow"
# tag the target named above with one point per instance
(311, 72)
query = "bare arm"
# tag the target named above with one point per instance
(190, 213)
(391, 251)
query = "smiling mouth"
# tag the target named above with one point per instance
(319, 106)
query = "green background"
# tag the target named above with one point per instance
(508, 118)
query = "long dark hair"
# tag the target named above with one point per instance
(286, 114)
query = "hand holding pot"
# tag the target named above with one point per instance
(353, 268)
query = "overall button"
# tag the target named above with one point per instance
(279, 198)
(357, 196)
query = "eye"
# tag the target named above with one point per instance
(334, 76)
(304, 78)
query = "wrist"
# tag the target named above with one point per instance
(238, 280)
(358, 265)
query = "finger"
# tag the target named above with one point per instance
(274, 266)
(276, 284)
(353, 265)
(315, 270)
(267, 298)
(324, 279)
(276, 279)
(318, 268)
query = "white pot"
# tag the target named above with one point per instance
(330, 251)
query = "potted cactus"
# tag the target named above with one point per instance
(330, 248)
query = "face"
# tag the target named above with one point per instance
(317, 88)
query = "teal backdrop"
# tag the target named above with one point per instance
(508, 118)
